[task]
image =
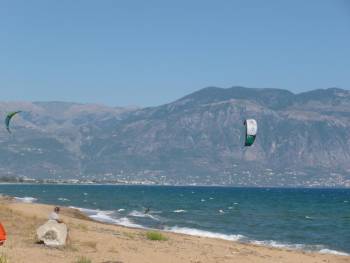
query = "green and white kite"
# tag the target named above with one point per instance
(251, 129)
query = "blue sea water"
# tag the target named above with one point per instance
(307, 219)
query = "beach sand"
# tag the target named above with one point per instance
(103, 243)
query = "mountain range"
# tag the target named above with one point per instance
(303, 140)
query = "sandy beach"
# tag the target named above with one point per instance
(103, 243)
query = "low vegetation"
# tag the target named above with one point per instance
(152, 235)
(129, 235)
(82, 227)
(83, 260)
(3, 259)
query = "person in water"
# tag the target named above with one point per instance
(55, 215)
(147, 210)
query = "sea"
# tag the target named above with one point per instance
(315, 220)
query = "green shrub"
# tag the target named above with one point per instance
(152, 235)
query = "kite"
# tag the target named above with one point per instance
(251, 129)
(8, 119)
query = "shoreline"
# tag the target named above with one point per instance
(221, 236)
(179, 245)
(102, 216)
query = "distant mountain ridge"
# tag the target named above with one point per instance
(303, 139)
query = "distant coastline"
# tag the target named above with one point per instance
(48, 182)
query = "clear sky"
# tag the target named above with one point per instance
(152, 52)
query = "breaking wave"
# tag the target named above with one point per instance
(179, 211)
(135, 213)
(107, 217)
(26, 199)
(241, 238)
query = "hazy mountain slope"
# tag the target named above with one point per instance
(46, 138)
(304, 139)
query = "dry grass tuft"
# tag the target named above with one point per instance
(3, 259)
(83, 260)
(129, 235)
(90, 244)
(113, 250)
(82, 227)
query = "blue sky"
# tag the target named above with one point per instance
(152, 52)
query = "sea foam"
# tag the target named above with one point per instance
(334, 252)
(26, 199)
(107, 217)
(135, 213)
(244, 239)
(203, 233)
(179, 211)
(304, 247)
(63, 199)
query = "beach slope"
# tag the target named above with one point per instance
(103, 243)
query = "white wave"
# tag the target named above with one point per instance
(26, 199)
(124, 221)
(103, 217)
(142, 214)
(179, 211)
(63, 199)
(85, 210)
(156, 212)
(202, 200)
(106, 217)
(121, 210)
(211, 198)
(85, 194)
(272, 243)
(241, 238)
(230, 207)
(334, 252)
(304, 247)
(137, 214)
(236, 203)
(91, 212)
(203, 233)
(221, 211)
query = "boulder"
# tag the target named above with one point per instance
(52, 233)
